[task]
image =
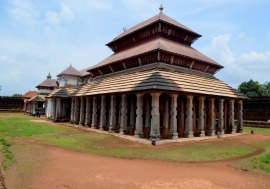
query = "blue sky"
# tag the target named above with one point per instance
(38, 37)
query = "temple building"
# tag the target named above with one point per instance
(154, 85)
(37, 102)
(58, 102)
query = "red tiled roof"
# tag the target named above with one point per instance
(159, 17)
(155, 44)
(70, 71)
(30, 94)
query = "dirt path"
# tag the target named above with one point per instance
(67, 169)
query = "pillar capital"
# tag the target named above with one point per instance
(155, 95)
(139, 94)
(201, 98)
(174, 95)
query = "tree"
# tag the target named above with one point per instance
(17, 95)
(266, 88)
(251, 88)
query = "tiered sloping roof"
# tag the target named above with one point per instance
(159, 17)
(160, 79)
(62, 92)
(70, 71)
(37, 98)
(48, 83)
(30, 94)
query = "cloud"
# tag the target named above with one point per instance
(65, 14)
(23, 12)
(256, 57)
(3, 58)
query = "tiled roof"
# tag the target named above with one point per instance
(62, 92)
(160, 79)
(70, 71)
(158, 43)
(159, 17)
(37, 98)
(30, 94)
(48, 83)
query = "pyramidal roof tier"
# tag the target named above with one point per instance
(48, 83)
(70, 71)
(159, 17)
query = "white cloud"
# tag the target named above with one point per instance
(3, 58)
(23, 12)
(65, 14)
(256, 57)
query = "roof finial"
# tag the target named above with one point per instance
(49, 76)
(161, 8)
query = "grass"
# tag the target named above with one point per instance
(8, 158)
(17, 126)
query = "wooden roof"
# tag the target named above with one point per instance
(157, 44)
(160, 79)
(62, 92)
(50, 83)
(159, 17)
(70, 71)
(37, 98)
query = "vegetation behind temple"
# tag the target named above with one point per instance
(254, 88)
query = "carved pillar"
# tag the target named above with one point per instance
(87, 112)
(201, 117)
(59, 109)
(240, 116)
(82, 116)
(112, 114)
(221, 116)
(102, 113)
(94, 112)
(173, 112)
(155, 122)
(166, 117)
(231, 116)
(72, 111)
(189, 118)
(53, 109)
(139, 116)
(123, 121)
(212, 117)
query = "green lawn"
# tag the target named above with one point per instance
(14, 127)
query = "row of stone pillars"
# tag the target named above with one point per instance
(59, 108)
(88, 111)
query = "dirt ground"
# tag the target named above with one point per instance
(73, 170)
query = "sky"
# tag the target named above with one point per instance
(38, 37)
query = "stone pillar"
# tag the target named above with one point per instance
(155, 122)
(189, 118)
(112, 114)
(53, 109)
(221, 116)
(139, 116)
(212, 117)
(123, 121)
(173, 113)
(132, 113)
(201, 117)
(102, 113)
(240, 116)
(94, 112)
(82, 115)
(87, 112)
(231, 116)
(166, 117)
